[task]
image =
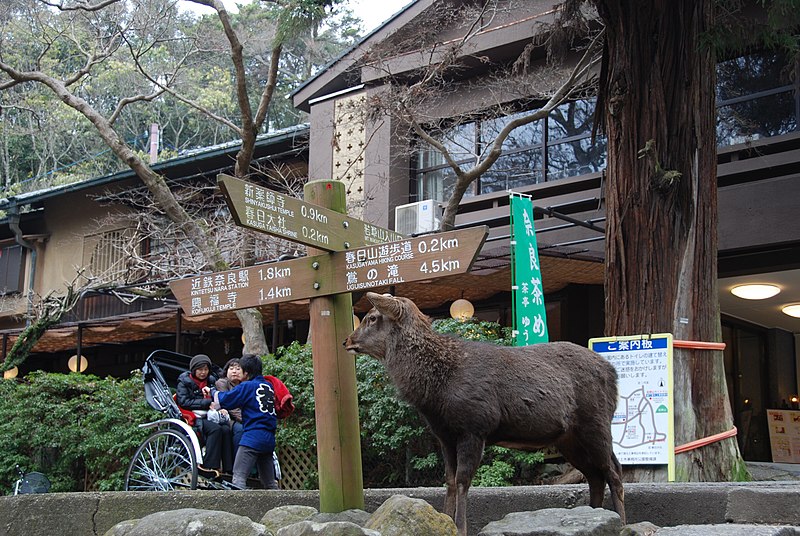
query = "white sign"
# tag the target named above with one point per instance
(784, 435)
(642, 428)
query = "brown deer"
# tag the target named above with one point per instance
(475, 394)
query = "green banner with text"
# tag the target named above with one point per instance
(530, 318)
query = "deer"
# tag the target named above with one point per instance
(475, 394)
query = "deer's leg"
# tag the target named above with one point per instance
(584, 461)
(450, 463)
(469, 453)
(614, 479)
(602, 456)
(597, 488)
(596, 460)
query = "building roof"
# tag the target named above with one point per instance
(333, 76)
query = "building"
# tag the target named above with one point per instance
(49, 235)
(555, 161)
(388, 175)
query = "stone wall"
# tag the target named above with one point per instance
(91, 514)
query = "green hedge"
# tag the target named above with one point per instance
(77, 429)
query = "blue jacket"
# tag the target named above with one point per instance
(256, 397)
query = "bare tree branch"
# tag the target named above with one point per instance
(79, 5)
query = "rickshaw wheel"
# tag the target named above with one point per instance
(164, 462)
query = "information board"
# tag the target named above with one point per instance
(643, 425)
(392, 263)
(784, 435)
(530, 318)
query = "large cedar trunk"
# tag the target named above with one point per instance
(661, 232)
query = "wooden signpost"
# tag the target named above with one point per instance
(265, 210)
(404, 261)
(345, 255)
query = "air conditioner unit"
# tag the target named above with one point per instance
(416, 218)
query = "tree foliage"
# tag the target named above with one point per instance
(107, 60)
(43, 144)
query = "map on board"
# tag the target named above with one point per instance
(642, 427)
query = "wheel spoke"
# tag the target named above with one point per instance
(164, 462)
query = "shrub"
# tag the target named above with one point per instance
(475, 330)
(77, 429)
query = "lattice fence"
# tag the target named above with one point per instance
(295, 465)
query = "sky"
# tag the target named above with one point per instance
(372, 12)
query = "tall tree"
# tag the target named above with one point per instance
(86, 39)
(656, 97)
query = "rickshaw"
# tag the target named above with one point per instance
(169, 458)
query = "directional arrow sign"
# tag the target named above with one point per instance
(403, 261)
(413, 259)
(248, 287)
(265, 210)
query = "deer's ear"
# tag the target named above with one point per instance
(386, 305)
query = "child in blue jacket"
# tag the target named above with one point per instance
(256, 397)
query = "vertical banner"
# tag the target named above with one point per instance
(530, 318)
(642, 429)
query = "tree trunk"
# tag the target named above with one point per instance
(661, 229)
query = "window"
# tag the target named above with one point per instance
(570, 150)
(106, 254)
(522, 160)
(757, 97)
(435, 179)
(556, 147)
(12, 269)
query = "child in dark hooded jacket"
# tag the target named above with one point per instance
(190, 395)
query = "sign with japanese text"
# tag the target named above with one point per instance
(284, 216)
(642, 428)
(784, 435)
(248, 287)
(403, 261)
(411, 259)
(530, 318)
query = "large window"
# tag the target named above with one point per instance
(758, 95)
(552, 148)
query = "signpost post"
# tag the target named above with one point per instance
(345, 255)
(341, 483)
